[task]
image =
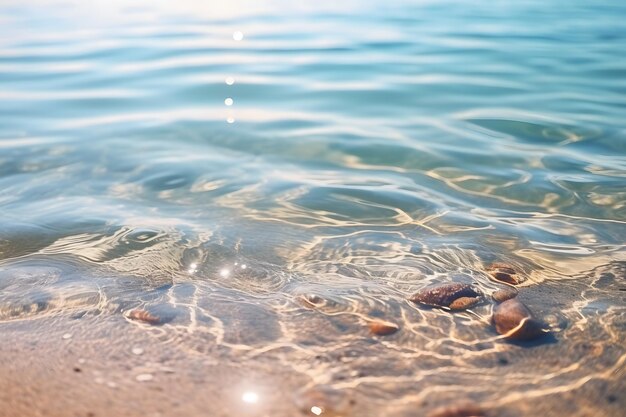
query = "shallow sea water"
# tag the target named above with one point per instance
(368, 150)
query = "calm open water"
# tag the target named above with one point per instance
(215, 163)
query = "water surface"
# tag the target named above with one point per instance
(368, 150)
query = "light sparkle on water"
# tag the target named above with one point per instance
(250, 397)
(316, 410)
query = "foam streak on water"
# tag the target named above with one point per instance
(267, 178)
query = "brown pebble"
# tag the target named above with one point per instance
(504, 273)
(504, 294)
(444, 295)
(459, 410)
(464, 303)
(143, 315)
(506, 268)
(506, 278)
(382, 328)
(515, 321)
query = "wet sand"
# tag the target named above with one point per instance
(84, 364)
(94, 373)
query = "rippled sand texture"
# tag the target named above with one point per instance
(167, 251)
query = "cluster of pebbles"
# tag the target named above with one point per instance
(511, 318)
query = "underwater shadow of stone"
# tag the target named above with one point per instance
(547, 339)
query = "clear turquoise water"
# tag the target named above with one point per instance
(370, 149)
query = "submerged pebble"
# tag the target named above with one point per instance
(506, 268)
(137, 351)
(515, 321)
(504, 294)
(382, 328)
(506, 278)
(143, 315)
(454, 295)
(504, 273)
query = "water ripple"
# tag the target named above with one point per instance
(365, 152)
